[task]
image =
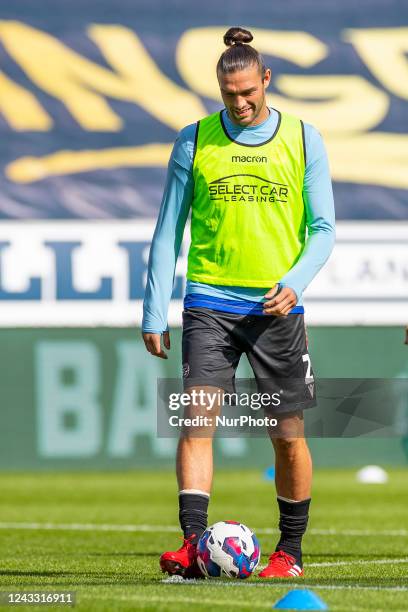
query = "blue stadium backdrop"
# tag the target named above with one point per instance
(92, 95)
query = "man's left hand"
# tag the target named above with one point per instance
(282, 303)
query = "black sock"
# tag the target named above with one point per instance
(292, 524)
(193, 514)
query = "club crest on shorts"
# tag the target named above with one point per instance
(186, 370)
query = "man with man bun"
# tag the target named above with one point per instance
(258, 186)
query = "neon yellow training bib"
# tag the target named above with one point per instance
(248, 221)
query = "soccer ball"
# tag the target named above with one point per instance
(228, 548)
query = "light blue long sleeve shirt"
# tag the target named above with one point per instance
(175, 208)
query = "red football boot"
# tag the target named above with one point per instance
(281, 565)
(182, 562)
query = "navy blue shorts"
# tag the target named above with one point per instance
(276, 348)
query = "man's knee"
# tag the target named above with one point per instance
(289, 428)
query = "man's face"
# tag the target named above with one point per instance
(243, 93)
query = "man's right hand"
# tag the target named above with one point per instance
(153, 343)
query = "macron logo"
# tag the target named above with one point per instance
(249, 158)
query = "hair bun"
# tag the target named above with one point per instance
(237, 35)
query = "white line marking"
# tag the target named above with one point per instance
(358, 562)
(175, 529)
(352, 562)
(287, 583)
(90, 527)
(343, 532)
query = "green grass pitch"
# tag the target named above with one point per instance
(101, 534)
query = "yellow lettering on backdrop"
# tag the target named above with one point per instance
(374, 158)
(344, 102)
(384, 51)
(347, 106)
(206, 45)
(31, 169)
(81, 84)
(20, 108)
